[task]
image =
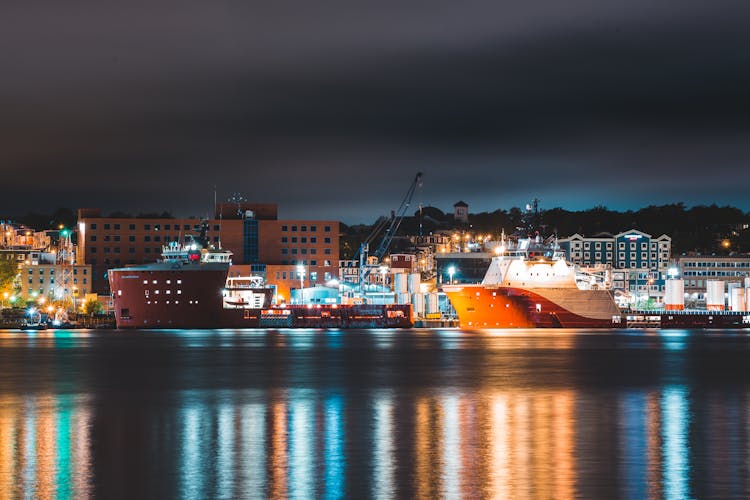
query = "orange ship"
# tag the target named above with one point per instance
(530, 289)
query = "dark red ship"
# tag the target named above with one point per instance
(189, 288)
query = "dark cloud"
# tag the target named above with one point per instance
(330, 108)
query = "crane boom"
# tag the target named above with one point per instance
(395, 221)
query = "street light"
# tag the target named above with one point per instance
(5, 298)
(451, 272)
(301, 272)
(383, 272)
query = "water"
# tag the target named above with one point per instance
(381, 414)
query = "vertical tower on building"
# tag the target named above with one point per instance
(461, 212)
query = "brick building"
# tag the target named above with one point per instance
(107, 242)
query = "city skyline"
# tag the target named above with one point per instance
(334, 109)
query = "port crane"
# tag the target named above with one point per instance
(392, 224)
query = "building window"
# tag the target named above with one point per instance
(132, 227)
(313, 262)
(313, 239)
(313, 251)
(294, 229)
(326, 239)
(106, 226)
(294, 239)
(327, 229)
(303, 228)
(303, 239)
(92, 226)
(294, 251)
(284, 251)
(284, 228)
(327, 251)
(92, 237)
(313, 229)
(117, 237)
(147, 227)
(92, 249)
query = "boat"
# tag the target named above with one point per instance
(190, 288)
(34, 320)
(530, 285)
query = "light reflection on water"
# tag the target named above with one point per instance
(526, 416)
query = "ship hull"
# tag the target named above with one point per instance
(480, 306)
(191, 297)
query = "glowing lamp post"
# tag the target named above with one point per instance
(5, 298)
(451, 272)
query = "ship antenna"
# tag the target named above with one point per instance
(221, 212)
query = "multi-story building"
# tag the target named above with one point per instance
(313, 244)
(107, 242)
(628, 250)
(55, 281)
(696, 270)
(638, 261)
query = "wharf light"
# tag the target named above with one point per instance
(451, 272)
(672, 272)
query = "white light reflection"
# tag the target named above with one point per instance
(382, 484)
(452, 448)
(225, 438)
(676, 470)
(192, 475)
(500, 447)
(301, 450)
(254, 450)
(29, 455)
(634, 444)
(335, 460)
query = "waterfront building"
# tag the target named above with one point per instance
(638, 261)
(631, 249)
(696, 270)
(108, 242)
(54, 281)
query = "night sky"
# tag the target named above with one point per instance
(329, 108)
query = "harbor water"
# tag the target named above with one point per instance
(375, 414)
